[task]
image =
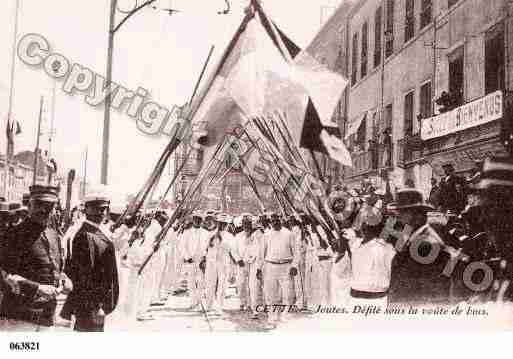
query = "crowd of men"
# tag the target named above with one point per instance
(392, 252)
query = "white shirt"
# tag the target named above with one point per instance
(220, 249)
(193, 243)
(248, 248)
(371, 264)
(280, 246)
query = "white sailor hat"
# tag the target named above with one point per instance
(221, 217)
(97, 195)
(197, 214)
(209, 214)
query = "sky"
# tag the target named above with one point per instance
(161, 53)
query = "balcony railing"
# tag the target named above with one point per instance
(406, 152)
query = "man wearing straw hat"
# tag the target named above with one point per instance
(412, 281)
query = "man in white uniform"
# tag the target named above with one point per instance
(371, 260)
(323, 266)
(169, 278)
(217, 264)
(280, 254)
(148, 277)
(248, 255)
(192, 255)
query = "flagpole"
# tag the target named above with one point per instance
(11, 95)
(36, 150)
(85, 173)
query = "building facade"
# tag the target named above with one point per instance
(415, 64)
(17, 176)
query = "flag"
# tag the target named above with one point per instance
(262, 72)
(13, 129)
(319, 138)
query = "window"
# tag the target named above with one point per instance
(456, 77)
(409, 26)
(408, 114)
(450, 3)
(377, 36)
(365, 40)
(425, 100)
(354, 67)
(425, 14)
(389, 31)
(494, 59)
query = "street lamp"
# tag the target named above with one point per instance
(108, 76)
(108, 99)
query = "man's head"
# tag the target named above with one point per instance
(448, 169)
(494, 193)
(97, 211)
(276, 221)
(196, 220)
(222, 221)
(264, 220)
(293, 220)
(42, 202)
(433, 181)
(161, 217)
(209, 223)
(410, 207)
(247, 223)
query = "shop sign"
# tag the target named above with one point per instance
(475, 113)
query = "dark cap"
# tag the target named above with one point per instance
(44, 193)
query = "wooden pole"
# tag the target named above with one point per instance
(38, 135)
(85, 173)
(11, 95)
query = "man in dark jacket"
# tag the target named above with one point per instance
(31, 259)
(93, 270)
(452, 190)
(412, 281)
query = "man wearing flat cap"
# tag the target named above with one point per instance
(93, 270)
(31, 257)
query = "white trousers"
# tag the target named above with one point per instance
(248, 286)
(169, 277)
(147, 286)
(278, 284)
(322, 277)
(194, 283)
(216, 281)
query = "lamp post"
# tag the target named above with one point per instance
(108, 76)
